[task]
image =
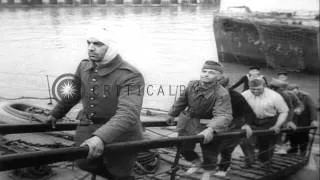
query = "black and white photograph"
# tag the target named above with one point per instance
(159, 89)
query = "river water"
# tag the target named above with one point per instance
(167, 44)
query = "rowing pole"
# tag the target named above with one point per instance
(32, 128)
(14, 161)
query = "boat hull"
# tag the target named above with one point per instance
(253, 41)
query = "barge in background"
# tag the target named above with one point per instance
(265, 33)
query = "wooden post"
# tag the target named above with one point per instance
(318, 40)
(48, 83)
(118, 1)
(101, 2)
(175, 165)
(136, 1)
(53, 1)
(84, 1)
(173, 1)
(36, 1)
(194, 1)
(10, 1)
(68, 1)
(155, 1)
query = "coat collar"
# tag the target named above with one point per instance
(207, 92)
(105, 69)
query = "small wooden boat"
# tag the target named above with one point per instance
(26, 152)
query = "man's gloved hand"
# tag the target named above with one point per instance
(96, 147)
(248, 130)
(275, 128)
(51, 120)
(170, 121)
(291, 125)
(208, 135)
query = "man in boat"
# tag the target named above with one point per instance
(203, 99)
(294, 104)
(299, 141)
(243, 115)
(271, 111)
(254, 71)
(111, 91)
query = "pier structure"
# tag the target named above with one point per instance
(9, 3)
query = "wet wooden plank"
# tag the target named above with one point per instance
(248, 170)
(251, 170)
(228, 177)
(258, 167)
(235, 176)
(277, 164)
(290, 161)
(284, 164)
(245, 175)
(294, 158)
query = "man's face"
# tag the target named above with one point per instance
(295, 91)
(254, 72)
(209, 75)
(283, 77)
(257, 91)
(96, 49)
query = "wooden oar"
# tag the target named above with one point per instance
(21, 160)
(31, 128)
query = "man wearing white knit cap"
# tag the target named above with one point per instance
(111, 91)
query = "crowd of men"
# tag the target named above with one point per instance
(206, 107)
(210, 105)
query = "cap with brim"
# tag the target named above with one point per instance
(293, 86)
(213, 65)
(254, 67)
(282, 73)
(278, 83)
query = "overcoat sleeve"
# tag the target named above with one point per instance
(128, 111)
(180, 104)
(222, 113)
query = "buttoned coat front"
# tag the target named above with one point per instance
(111, 96)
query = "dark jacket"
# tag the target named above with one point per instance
(111, 96)
(241, 111)
(213, 103)
(293, 103)
(309, 113)
(245, 81)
